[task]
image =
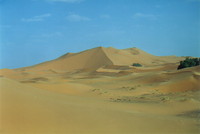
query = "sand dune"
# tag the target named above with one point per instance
(99, 91)
(93, 59)
(25, 109)
(100, 56)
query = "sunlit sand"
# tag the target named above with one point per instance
(98, 91)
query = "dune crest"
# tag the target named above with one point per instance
(101, 56)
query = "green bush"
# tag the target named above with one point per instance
(137, 65)
(189, 62)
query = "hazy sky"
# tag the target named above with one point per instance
(33, 31)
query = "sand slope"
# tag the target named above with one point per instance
(93, 59)
(98, 91)
(100, 56)
(27, 110)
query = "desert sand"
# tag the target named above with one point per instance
(98, 91)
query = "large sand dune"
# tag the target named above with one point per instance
(100, 56)
(98, 91)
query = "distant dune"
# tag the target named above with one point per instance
(99, 91)
(100, 56)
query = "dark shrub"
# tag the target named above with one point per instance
(137, 65)
(189, 62)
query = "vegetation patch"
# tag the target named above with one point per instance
(137, 65)
(189, 62)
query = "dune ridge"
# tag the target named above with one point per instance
(101, 56)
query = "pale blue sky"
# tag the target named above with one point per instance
(33, 31)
